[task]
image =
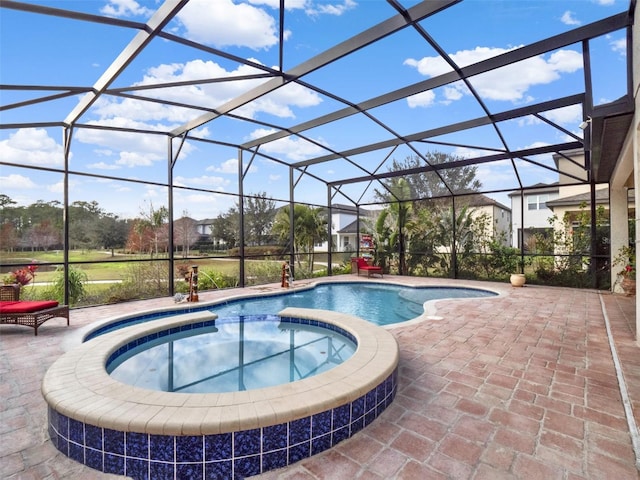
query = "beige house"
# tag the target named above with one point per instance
(498, 214)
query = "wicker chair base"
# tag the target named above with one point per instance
(35, 319)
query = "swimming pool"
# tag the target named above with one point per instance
(378, 303)
(232, 354)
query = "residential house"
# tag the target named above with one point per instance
(534, 218)
(498, 214)
(344, 228)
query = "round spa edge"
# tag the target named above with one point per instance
(78, 386)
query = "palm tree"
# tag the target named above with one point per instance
(309, 228)
(399, 214)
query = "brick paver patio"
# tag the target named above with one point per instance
(520, 386)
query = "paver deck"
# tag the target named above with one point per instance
(520, 386)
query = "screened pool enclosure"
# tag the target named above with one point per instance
(445, 138)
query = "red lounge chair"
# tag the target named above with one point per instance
(365, 267)
(31, 313)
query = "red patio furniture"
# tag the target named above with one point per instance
(26, 312)
(362, 265)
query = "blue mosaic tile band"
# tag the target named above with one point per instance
(223, 456)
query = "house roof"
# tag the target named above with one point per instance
(480, 200)
(352, 227)
(539, 188)
(602, 196)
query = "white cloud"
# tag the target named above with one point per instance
(466, 152)
(274, 178)
(293, 148)
(204, 181)
(228, 166)
(605, 2)
(569, 19)
(288, 5)
(422, 99)
(103, 166)
(336, 9)
(619, 45)
(155, 116)
(125, 8)
(17, 182)
(509, 83)
(31, 146)
(571, 115)
(223, 23)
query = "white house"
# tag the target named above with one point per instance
(344, 228)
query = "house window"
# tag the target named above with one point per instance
(537, 202)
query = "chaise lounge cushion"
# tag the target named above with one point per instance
(363, 265)
(26, 306)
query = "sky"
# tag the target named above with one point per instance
(44, 51)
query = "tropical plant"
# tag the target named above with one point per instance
(309, 228)
(22, 276)
(626, 260)
(75, 285)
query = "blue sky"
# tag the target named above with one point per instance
(46, 51)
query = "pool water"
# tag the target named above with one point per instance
(377, 303)
(234, 354)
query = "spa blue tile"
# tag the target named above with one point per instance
(93, 436)
(299, 430)
(137, 445)
(357, 408)
(63, 426)
(370, 400)
(190, 471)
(247, 442)
(339, 435)
(298, 452)
(76, 431)
(161, 470)
(137, 469)
(380, 393)
(341, 416)
(162, 448)
(357, 425)
(53, 436)
(189, 449)
(218, 470)
(320, 444)
(321, 424)
(369, 417)
(94, 458)
(53, 418)
(274, 437)
(113, 441)
(274, 460)
(113, 464)
(246, 466)
(218, 447)
(63, 445)
(76, 452)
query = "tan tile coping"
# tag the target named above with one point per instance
(77, 384)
